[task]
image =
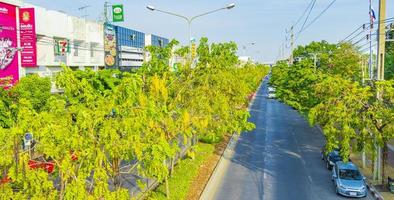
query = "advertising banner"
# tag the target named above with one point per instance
(109, 46)
(28, 37)
(9, 71)
(117, 13)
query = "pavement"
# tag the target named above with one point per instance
(279, 160)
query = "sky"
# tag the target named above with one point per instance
(262, 22)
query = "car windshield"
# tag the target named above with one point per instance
(349, 174)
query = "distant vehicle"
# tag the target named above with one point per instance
(271, 95)
(271, 92)
(331, 158)
(348, 180)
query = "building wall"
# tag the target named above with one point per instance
(130, 46)
(159, 41)
(85, 40)
(154, 40)
(129, 37)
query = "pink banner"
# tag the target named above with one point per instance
(9, 72)
(28, 37)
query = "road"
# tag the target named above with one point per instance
(279, 160)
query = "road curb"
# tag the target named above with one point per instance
(375, 193)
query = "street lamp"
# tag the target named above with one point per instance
(190, 19)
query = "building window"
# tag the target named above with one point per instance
(77, 45)
(93, 48)
(132, 37)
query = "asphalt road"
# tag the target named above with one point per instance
(279, 160)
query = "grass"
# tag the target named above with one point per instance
(184, 174)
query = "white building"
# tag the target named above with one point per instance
(130, 57)
(245, 59)
(13, 2)
(82, 41)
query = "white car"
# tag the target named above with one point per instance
(271, 95)
(271, 89)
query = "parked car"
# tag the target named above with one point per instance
(348, 180)
(271, 89)
(390, 184)
(331, 158)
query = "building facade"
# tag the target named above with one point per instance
(130, 48)
(154, 40)
(63, 39)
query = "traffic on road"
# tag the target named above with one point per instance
(282, 160)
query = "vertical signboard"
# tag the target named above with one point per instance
(117, 13)
(9, 71)
(109, 46)
(28, 37)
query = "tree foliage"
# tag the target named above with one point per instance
(333, 97)
(105, 120)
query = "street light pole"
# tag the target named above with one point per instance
(189, 20)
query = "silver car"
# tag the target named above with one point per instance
(348, 180)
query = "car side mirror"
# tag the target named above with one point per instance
(334, 176)
(364, 178)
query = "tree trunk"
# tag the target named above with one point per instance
(16, 155)
(167, 189)
(384, 160)
(172, 165)
(61, 186)
(116, 172)
(374, 166)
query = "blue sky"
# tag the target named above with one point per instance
(260, 21)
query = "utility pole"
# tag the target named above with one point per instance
(106, 12)
(381, 39)
(370, 65)
(291, 45)
(380, 76)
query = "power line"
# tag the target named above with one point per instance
(367, 48)
(361, 27)
(317, 17)
(303, 14)
(363, 38)
(313, 2)
(391, 19)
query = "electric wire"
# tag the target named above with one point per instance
(391, 19)
(316, 18)
(303, 14)
(309, 14)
